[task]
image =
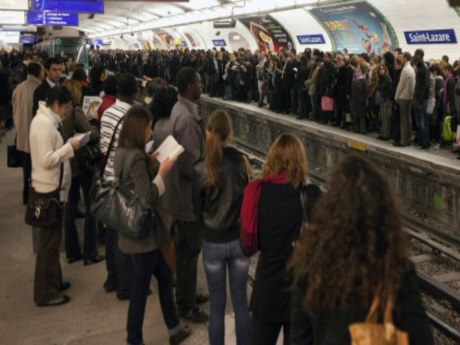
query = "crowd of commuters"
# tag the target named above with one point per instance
(400, 95)
(198, 197)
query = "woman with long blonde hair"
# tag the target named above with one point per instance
(281, 201)
(220, 180)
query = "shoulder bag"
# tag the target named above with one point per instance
(115, 204)
(370, 332)
(44, 209)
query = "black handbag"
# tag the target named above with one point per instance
(13, 156)
(44, 209)
(116, 205)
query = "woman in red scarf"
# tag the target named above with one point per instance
(278, 211)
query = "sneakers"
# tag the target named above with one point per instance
(180, 336)
(195, 315)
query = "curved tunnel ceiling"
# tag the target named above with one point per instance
(127, 16)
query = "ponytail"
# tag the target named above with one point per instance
(219, 131)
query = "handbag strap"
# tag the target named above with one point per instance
(112, 140)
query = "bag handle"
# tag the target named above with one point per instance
(112, 140)
(372, 316)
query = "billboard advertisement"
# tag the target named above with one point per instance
(357, 26)
(269, 33)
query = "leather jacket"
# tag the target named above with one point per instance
(219, 207)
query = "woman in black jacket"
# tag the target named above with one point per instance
(385, 86)
(218, 192)
(358, 100)
(353, 251)
(280, 220)
(134, 168)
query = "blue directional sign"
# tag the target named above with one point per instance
(311, 39)
(219, 43)
(82, 6)
(52, 18)
(446, 36)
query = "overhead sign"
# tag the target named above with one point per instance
(52, 18)
(446, 36)
(358, 27)
(82, 6)
(28, 38)
(311, 39)
(219, 43)
(13, 17)
(269, 33)
(14, 5)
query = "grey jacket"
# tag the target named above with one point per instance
(132, 167)
(188, 128)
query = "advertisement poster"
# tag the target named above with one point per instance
(270, 35)
(358, 26)
(191, 38)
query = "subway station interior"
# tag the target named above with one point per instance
(374, 82)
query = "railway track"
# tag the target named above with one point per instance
(435, 289)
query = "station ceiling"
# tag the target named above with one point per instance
(126, 16)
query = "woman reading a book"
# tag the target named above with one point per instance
(135, 168)
(218, 192)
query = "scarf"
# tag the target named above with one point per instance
(250, 212)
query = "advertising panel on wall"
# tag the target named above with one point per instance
(357, 26)
(269, 34)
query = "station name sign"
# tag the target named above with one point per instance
(311, 39)
(219, 43)
(52, 18)
(446, 36)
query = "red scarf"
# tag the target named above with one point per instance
(250, 212)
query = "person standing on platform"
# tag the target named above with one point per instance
(218, 187)
(188, 128)
(352, 252)
(118, 264)
(324, 84)
(421, 95)
(404, 96)
(53, 68)
(50, 160)
(23, 96)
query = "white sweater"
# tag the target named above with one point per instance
(48, 151)
(406, 86)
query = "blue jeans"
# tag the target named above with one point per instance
(217, 257)
(423, 124)
(144, 265)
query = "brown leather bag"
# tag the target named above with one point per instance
(370, 332)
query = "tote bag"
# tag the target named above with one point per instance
(327, 103)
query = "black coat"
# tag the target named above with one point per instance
(280, 219)
(331, 327)
(325, 79)
(40, 95)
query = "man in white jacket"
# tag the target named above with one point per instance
(404, 96)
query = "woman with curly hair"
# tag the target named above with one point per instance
(280, 213)
(353, 250)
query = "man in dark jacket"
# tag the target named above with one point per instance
(325, 80)
(53, 69)
(344, 79)
(421, 94)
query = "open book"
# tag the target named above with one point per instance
(90, 106)
(83, 138)
(168, 148)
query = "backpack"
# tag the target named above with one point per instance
(447, 134)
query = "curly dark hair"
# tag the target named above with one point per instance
(354, 245)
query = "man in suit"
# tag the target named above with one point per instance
(53, 68)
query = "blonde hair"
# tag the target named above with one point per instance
(75, 89)
(287, 154)
(219, 130)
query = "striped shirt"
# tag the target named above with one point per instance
(109, 121)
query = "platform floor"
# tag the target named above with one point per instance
(92, 317)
